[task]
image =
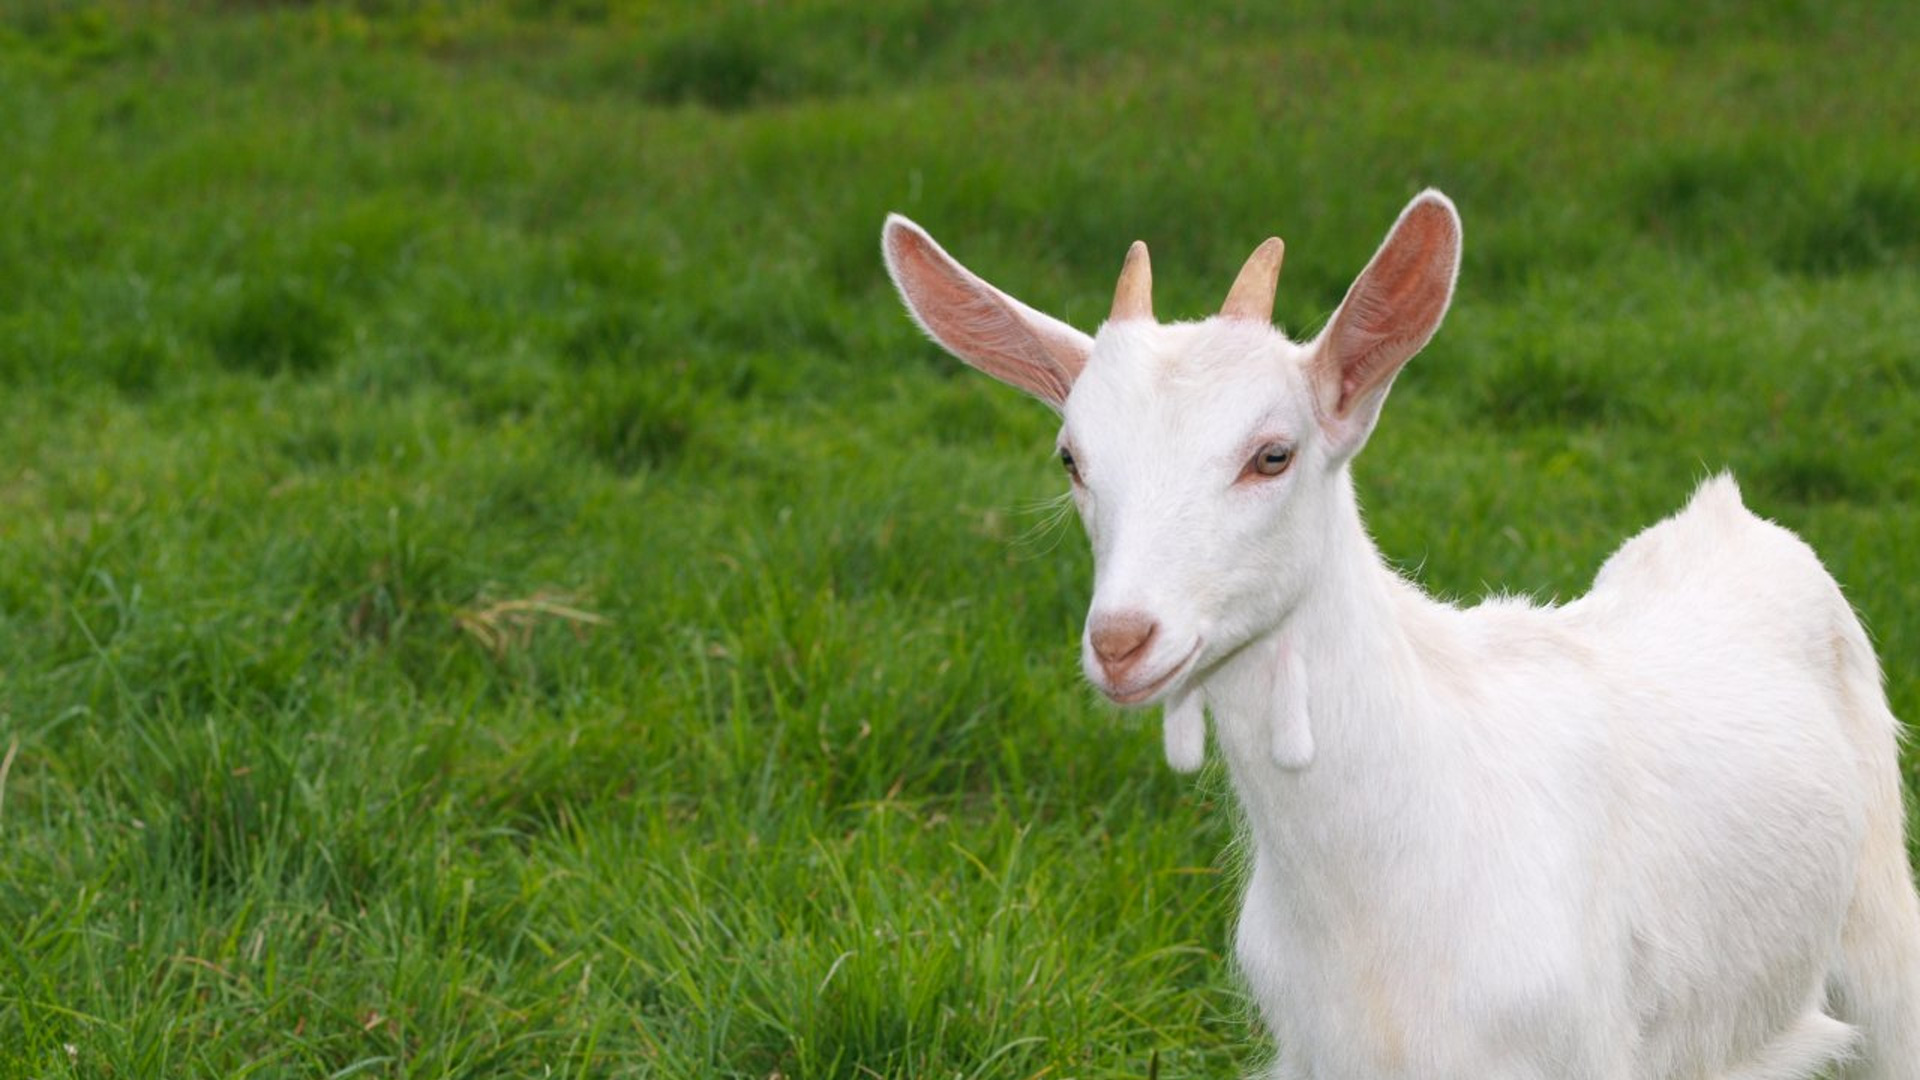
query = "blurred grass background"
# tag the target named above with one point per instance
(492, 584)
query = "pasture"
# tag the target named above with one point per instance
(492, 583)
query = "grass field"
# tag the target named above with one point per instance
(491, 584)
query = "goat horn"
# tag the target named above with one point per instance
(1133, 296)
(1252, 294)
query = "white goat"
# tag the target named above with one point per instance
(1656, 832)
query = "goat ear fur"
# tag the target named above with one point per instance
(1389, 314)
(978, 323)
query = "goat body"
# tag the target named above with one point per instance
(1655, 833)
(1610, 839)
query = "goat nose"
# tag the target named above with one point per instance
(1120, 637)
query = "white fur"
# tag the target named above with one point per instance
(1652, 834)
(1186, 731)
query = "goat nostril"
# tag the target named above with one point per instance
(1117, 637)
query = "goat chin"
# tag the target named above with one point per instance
(1655, 833)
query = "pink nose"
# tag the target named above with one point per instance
(1120, 640)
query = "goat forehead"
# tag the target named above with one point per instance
(1196, 383)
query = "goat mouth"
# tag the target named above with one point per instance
(1140, 694)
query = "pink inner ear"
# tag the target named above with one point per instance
(979, 324)
(1396, 305)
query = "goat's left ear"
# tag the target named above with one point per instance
(977, 322)
(1390, 313)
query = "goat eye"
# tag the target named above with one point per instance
(1272, 459)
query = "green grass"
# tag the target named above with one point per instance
(492, 584)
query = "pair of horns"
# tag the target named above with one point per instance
(1250, 298)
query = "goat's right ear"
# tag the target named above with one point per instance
(977, 322)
